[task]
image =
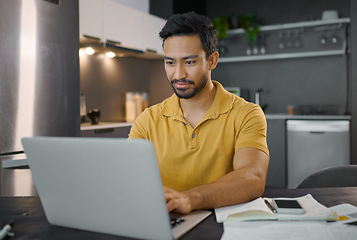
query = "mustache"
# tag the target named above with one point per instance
(184, 80)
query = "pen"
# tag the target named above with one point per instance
(5, 231)
(270, 206)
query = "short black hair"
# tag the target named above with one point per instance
(188, 24)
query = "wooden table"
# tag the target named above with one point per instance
(31, 223)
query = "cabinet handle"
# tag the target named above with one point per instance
(317, 132)
(116, 43)
(103, 130)
(151, 50)
(113, 44)
(91, 37)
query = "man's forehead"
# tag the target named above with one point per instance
(183, 47)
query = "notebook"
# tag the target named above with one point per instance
(105, 185)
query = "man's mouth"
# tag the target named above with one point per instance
(181, 83)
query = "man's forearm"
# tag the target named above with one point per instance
(236, 187)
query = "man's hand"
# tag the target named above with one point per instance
(177, 201)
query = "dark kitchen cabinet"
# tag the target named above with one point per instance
(276, 139)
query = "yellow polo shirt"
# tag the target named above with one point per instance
(189, 157)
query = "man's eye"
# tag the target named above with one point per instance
(190, 62)
(169, 63)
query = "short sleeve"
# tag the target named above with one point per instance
(252, 130)
(138, 130)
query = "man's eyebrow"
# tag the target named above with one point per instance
(190, 56)
(184, 58)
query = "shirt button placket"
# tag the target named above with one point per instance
(193, 144)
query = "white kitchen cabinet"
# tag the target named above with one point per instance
(91, 18)
(110, 21)
(152, 27)
(124, 25)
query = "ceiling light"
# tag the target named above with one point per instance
(89, 51)
(110, 54)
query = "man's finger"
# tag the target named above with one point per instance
(171, 205)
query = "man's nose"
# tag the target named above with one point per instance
(180, 72)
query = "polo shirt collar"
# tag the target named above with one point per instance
(222, 103)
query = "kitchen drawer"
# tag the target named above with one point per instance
(119, 132)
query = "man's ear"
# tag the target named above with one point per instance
(213, 60)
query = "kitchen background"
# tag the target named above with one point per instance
(327, 82)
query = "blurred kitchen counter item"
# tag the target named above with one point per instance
(104, 125)
(307, 117)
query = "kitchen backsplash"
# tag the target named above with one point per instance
(104, 83)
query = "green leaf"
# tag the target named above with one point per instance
(221, 25)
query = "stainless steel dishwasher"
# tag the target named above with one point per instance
(315, 144)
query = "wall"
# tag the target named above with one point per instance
(165, 8)
(104, 82)
(160, 88)
(277, 11)
(304, 81)
(161, 8)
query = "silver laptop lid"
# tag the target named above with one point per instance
(108, 185)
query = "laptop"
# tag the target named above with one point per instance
(105, 185)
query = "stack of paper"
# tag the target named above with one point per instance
(258, 210)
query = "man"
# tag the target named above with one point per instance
(210, 144)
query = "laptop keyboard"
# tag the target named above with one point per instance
(176, 221)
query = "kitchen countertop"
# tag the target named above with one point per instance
(307, 117)
(102, 125)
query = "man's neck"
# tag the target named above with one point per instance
(195, 108)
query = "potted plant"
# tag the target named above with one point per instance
(221, 25)
(249, 24)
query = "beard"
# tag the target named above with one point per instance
(187, 93)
